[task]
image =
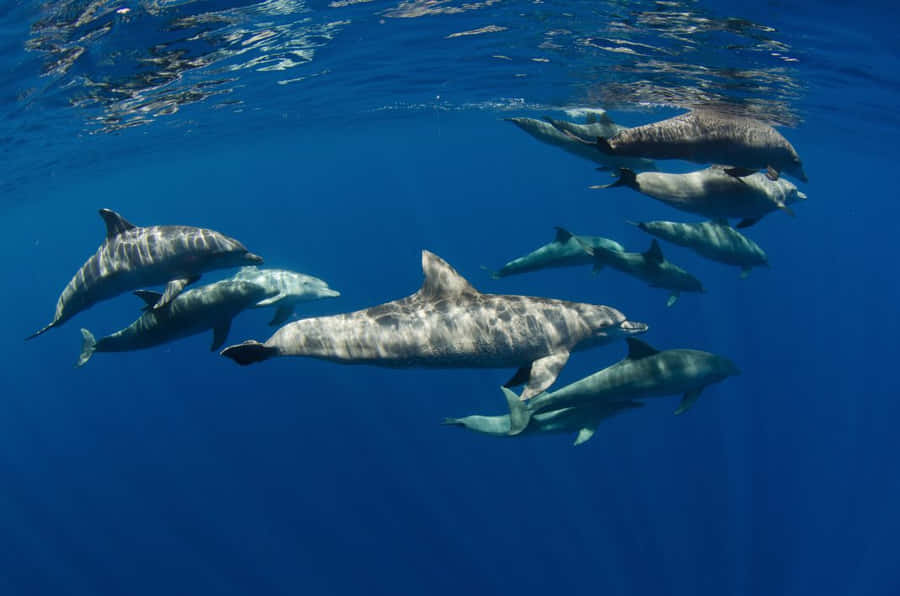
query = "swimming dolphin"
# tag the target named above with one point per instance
(714, 193)
(565, 251)
(197, 310)
(714, 240)
(582, 420)
(450, 324)
(290, 289)
(650, 267)
(710, 137)
(132, 257)
(645, 372)
(559, 133)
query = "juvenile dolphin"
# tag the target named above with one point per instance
(450, 324)
(560, 133)
(289, 289)
(645, 372)
(714, 193)
(582, 420)
(715, 240)
(132, 257)
(710, 137)
(650, 267)
(566, 250)
(197, 310)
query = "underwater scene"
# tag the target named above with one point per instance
(449, 297)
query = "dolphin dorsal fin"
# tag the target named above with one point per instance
(115, 223)
(654, 254)
(562, 235)
(148, 296)
(638, 349)
(442, 280)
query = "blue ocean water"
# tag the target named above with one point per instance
(340, 139)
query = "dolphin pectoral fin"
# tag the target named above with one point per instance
(520, 377)
(519, 414)
(220, 334)
(747, 222)
(787, 209)
(771, 173)
(249, 352)
(745, 272)
(543, 373)
(584, 434)
(282, 314)
(688, 400)
(673, 298)
(739, 172)
(173, 288)
(270, 300)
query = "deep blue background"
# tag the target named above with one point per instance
(174, 471)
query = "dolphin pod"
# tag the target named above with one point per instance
(133, 257)
(449, 324)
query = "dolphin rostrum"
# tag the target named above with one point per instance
(449, 324)
(197, 310)
(566, 250)
(645, 372)
(133, 257)
(712, 192)
(582, 420)
(289, 289)
(651, 267)
(715, 240)
(565, 135)
(709, 137)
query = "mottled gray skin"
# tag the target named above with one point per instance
(554, 132)
(194, 311)
(645, 372)
(566, 250)
(288, 289)
(715, 240)
(705, 136)
(713, 193)
(133, 257)
(582, 420)
(449, 324)
(650, 267)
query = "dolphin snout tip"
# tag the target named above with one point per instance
(801, 195)
(253, 258)
(633, 327)
(331, 293)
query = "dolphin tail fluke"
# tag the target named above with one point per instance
(627, 178)
(88, 345)
(491, 272)
(249, 352)
(41, 331)
(519, 412)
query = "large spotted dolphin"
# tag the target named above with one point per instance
(134, 257)
(449, 324)
(714, 193)
(715, 240)
(194, 311)
(289, 289)
(645, 372)
(566, 250)
(581, 420)
(708, 137)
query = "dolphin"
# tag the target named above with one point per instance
(290, 289)
(560, 133)
(715, 240)
(566, 250)
(449, 324)
(197, 310)
(714, 193)
(132, 257)
(650, 267)
(708, 137)
(582, 420)
(645, 372)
